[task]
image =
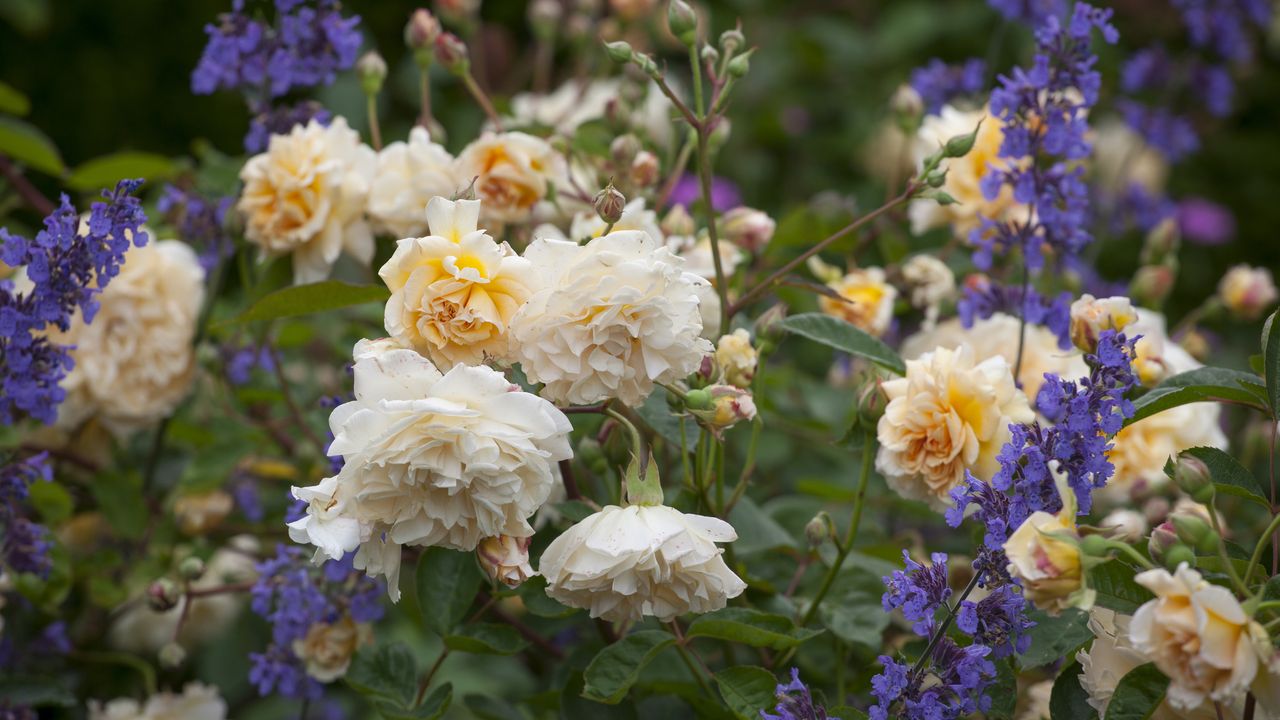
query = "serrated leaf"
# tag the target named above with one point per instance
(747, 690)
(1138, 695)
(1229, 476)
(751, 627)
(312, 298)
(25, 143)
(616, 668)
(836, 333)
(486, 639)
(1069, 700)
(388, 672)
(447, 582)
(852, 610)
(1053, 638)
(106, 171)
(657, 414)
(1116, 588)
(1204, 384)
(12, 101)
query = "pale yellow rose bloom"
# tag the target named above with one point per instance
(866, 300)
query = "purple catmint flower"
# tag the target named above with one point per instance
(687, 191)
(281, 119)
(918, 590)
(953, 685)
(795, 702)
(997, 621)
(25, 545)
(981, 298)
(1029, 12)
(200, 222)
(1221, 26)
(1205, 222)
(939, 83)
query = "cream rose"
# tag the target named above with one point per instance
(964, 174)
(997, 336)
(454, 293)
(430, 460)
(408, 176)
(1247, 291)
(623, 564)
(931, 283)
(947, 415)
(197, 702)
(612, 318)
(736, 358)
(1199, 636)
(1043, 554)
(305, 196)
(576, 102)
(587, 225)
(699, 260)
(134, 363)
(1090, 317)
(511, 171)
(327, 648)
(506, 559)
(866, 300)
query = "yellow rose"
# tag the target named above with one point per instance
(1043, 554)
(511, 172)
(866, 300)
(947, 415)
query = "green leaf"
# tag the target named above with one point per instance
(1069, 700)
(533, 593)
(1271, 362)
(852, 610)
(756, 530)
(106, 171)
(617, 667)
(657, 414)
(838, 334)
(487, 707)
(747, 690)
(751, 627)
(12, 101)
(1199, 385)
(1054, 638)
(51, 500)
(1138, 695)
(845, 712)
(313, 298)
(26, 144)
(574, 510)
(486, 639)
(1229, 476)
(447, 584)
(1003, 692)
(385, 673)
(37, 690)
(433, 706)
(573, 706)
(120, 498)
(1116, 589)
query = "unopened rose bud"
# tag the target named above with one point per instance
(172, 655)
(592, 455)
(732, 40)
(1247, 291)
(1152, 284)
(960, 145)
(710, 56)
(907, 107)
(678, 223)
(609, 204)
(1177, 555)
(736, 358)
(818, 530)
(421, 31)
(1193, 477)
(1095, 546)
(505, 559)
(682, 21)
(1195, 532)
(936, 178)
(372, 71)
(871, 400)
(619, 51)
(1163, 538)
(163, 595)
(191, 568)
(697, 400)
(1161, 242)
(1090, 317)
(748, 228)
(644, 169)
(458, 10)
(1125, 525)
(729, 406)
(544, 16)
(451, 53)
(623, 149)
(768, 327)
(740, 65)
(1196, 343)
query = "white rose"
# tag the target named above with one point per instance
(947, 415)
(964, 174)
(866, 300)
(134, 363)
(622, 564)
(931, 283)
(699, 260)
(454, 293)
(197, 702)
(577, 101)
(613, 317)
(306, 196)
(1199, 636)
(430, 460)
(748, 228)
(1126, 525)
(998, 336)
(587, 224)
(511, 171)
(408, 176)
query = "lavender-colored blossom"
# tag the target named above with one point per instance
(281, 119)
(953, 685)
(26, 544)
(998, 621)
(688, 191)
(67, 267)
(939, 83)
(795, 702)
(1221, 26)
(200, 221)
(918, 590)
(1205, 222)
(242, 361)
(1029, 12)
(981, 298)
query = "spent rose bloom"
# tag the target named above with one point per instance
(866, 300)
(408, 176)
(306, 195)
(964, 174)
(622, 564)
(134, 363)
(506, 559)
(736, 358)
(326, 649)
(454, 292)
(1091, 316)
(1199, 636)
(610, 319)
(948, 414)
(1045, 556)
(196, 702)
(430, 460)
(512, 172)
(1247, 291)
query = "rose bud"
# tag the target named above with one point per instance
(1247, 291)
(505, 559)
(1090, 317)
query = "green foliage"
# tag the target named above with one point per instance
(486, 639)
(747, 690)
(1069, 700)
(1138, 695)
(751, 627)
(1199, 385)
(836, 333)
(12, 101)
(617, 667)
(310, 299)
(1116, 588)
(1054, 638)
(106, 171)
(25, 143)
(1229, 476)
(447, 582)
